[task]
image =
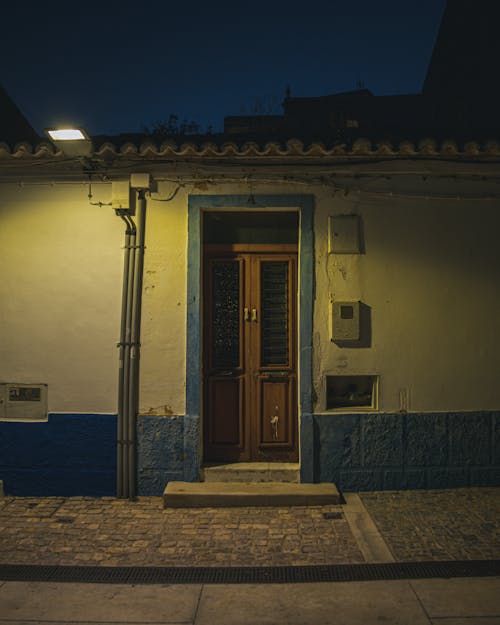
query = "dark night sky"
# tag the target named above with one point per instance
(117, 66)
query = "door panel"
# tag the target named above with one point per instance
(250, 403)
(276, 397)
(226, 408)
(225, 430)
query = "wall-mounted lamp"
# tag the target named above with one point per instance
(73, 142)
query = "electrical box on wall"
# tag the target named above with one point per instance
(23, 402)
(344, 234)
(122, 196)
(346, 321)
(140, 181)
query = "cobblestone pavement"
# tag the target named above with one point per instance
(453, 524)
(112, 532)
(458, 524)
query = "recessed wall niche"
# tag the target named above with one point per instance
(352, 392)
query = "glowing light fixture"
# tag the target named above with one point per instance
(73, 142)
(67, 134)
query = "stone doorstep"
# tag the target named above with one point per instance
(250, 494)
(252, 472)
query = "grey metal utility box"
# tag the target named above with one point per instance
(345, 321)
(23, 402)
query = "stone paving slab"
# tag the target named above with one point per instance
(360, 603)
(456, 524)
(97, 603)
(115, 532)
(461, 598)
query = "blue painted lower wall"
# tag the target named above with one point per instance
(404, 451)
(160, 453)
(75, 454)
(167, 451)
(70, 454)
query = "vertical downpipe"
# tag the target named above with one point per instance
(124, 347)
(133, 391)
(126, 361)
(121, 346)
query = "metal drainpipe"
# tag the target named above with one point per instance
(124, 357)
(133, 374)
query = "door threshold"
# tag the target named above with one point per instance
(251, 472)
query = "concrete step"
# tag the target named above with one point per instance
(230, 494)
(252, 472)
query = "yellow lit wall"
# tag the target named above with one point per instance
(163, 332)
(61, 265)
(430, 275)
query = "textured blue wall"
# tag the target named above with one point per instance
(160, 453)
(70, 454)
(75, 454)
(404, 451)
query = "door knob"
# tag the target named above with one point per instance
(254, 314)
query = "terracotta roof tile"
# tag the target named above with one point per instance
(293, 148)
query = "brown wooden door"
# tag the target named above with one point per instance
(250, 381)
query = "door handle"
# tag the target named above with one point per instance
(246, 314)
(254, 314)
(274, 424)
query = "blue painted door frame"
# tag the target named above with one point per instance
(196, 205)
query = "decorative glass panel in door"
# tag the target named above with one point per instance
(225, 433)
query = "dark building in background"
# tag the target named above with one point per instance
(462, 84)
(14, 127)
(460, 98)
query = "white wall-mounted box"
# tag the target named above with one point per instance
(122, 196)
(344, 234)
(345, 321)
(23, 402)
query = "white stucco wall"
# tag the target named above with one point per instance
(163, 332)
(429, 274)
(60, 290)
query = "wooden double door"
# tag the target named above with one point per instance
(250, 378)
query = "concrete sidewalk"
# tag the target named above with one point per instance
(417, 602)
